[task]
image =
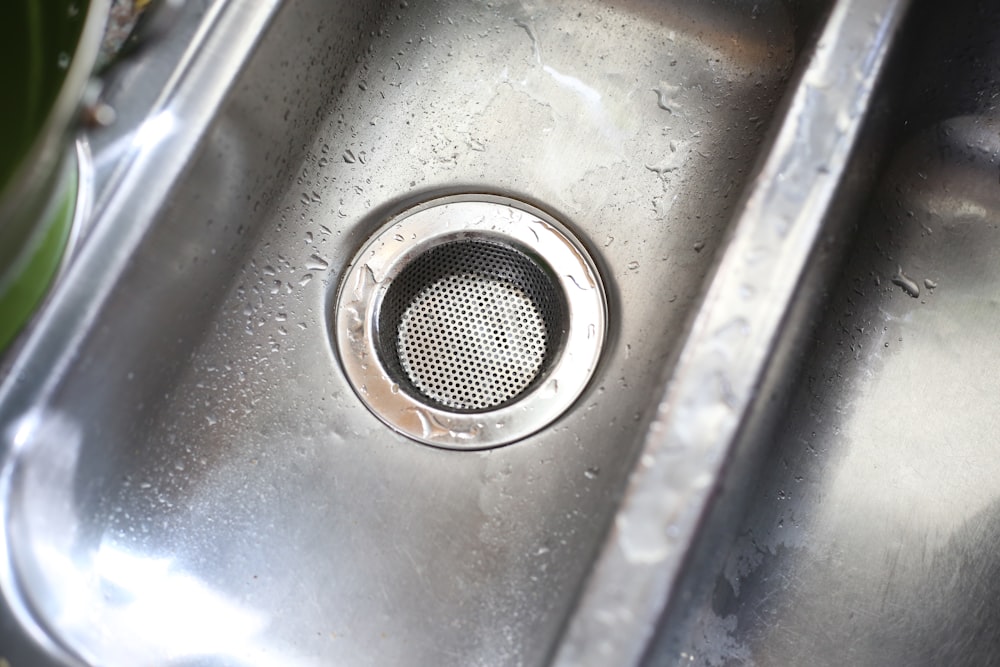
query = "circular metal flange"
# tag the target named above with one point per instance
(507, 295)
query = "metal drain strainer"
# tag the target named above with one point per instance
(470, 323)
(473, 324)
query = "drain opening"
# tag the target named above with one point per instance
(471, 325)
(470, 321)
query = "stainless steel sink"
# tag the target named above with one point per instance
(189, 476)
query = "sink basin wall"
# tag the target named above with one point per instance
(871, 535)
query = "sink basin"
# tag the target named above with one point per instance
(870, 539)
(191, 478)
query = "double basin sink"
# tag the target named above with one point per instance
(792, 240)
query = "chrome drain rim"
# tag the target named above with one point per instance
(514, 310)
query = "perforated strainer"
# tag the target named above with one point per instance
(469, 323)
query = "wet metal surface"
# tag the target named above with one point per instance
(871, 538)
(213, 461)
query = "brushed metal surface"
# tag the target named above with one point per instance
(188, 477)
(695, 460)
(871, 537)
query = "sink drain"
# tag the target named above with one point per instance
(470, 322)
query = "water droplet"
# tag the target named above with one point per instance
(304, 280)
(535, 46)
(929, 284)
(323, 161)
(665, 97)
(317, 263)
(429, 426)
(699, 246)
(592, 473)
(588, 283)
(633, 265)
(73, 10)
(908, 285)
(281, 317)
(393, 388)
(63, 60)
(349, 157)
